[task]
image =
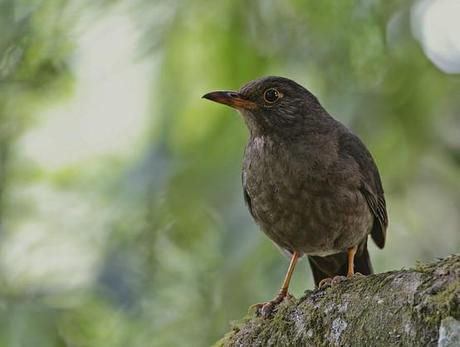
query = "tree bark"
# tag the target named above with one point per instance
(417, 307)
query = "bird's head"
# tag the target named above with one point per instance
(270, 104)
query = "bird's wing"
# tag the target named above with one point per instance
(371, 185)
(377, 206)
(247, 198)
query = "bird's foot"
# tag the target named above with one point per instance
(356, 275)
(330, 282)
(265, 309)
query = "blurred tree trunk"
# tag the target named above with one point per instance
(417, 307)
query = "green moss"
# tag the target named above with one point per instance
(235, 328)
(422, 267)
(395, 308)
(224, 340)
(442, 301)
(445, 302)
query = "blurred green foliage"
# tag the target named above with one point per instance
(171, 254)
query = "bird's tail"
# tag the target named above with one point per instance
(337, 264)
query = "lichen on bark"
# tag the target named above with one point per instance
(416, 307)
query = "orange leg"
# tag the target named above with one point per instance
(267, 307)
(326, 282)
(351, 260)
(290, 271)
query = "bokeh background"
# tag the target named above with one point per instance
(122, 220)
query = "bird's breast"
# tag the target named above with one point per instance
(296, 204)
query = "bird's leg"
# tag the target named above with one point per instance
(351, 261)
(326, 282)
(266, 308)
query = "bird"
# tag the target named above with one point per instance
(309, 182)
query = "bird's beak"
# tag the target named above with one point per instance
(233, 99)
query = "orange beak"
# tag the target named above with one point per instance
(232, 99)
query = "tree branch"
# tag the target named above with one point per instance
(417, 307)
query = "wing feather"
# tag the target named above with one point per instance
(371, 186)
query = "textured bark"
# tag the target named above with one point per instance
(417, 307)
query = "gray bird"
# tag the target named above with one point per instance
(308, 182)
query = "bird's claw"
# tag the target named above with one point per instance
(330, 282)
(338, 279)
(324, 283)
(265, 309)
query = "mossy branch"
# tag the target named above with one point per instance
(417, 307)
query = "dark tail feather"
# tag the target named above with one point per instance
(336, 264)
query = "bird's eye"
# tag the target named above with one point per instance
(271, 95)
